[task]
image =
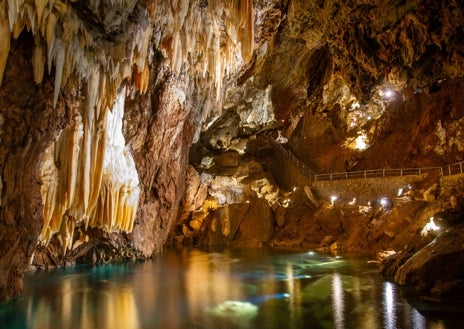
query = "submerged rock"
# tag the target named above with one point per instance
(231, 315)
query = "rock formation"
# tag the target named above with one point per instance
(106, 107)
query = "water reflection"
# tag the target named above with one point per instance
(389, 306)
(78, 302)
(338, 301)
(231, 289)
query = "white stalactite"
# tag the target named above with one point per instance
(106, 193)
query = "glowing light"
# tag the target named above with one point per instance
(333, 198)
(106, 194)
(388, 93)
(338, 301)
(311, 253)
(430, 227)
(384, 202)
(361, 142)
(400, 191)
(294, 188)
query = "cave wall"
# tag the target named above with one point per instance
(161, 127)
(331, 63)
(29, 125)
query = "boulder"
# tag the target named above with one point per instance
(437, 268)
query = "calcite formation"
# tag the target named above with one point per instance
(88, 181)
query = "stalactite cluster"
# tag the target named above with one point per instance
(88, 175)
(89, 178)
(214, 43)
(64, 41)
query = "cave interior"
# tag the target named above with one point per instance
(128, 127)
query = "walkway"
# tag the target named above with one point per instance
(452, 169)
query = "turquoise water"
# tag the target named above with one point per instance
(229, 289)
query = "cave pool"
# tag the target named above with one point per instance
(232, 288)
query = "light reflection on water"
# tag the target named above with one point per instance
(230, 289)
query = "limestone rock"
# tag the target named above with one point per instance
(424, 270)
(195, 193)
(240, 224)
(222, 131)
(228, 159)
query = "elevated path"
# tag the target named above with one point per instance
(452, 169)
(366, 186)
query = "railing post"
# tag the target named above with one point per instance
(449, 170)
(460, 167)
(365, 174)
(383, 172)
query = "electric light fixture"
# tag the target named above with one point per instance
(333, 198)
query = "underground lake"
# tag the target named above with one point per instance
(232, 288)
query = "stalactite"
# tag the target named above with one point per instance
(141, 78)
(105, 193)
(4, 37)
(38, 60)
(49, 175)
(59, 60)
(81, 187)
(197, 38)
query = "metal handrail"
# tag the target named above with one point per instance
(452, 169)
(289, 155)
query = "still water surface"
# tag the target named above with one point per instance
(228, 289)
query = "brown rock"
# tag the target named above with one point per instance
(425, 270)
(228, 159)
